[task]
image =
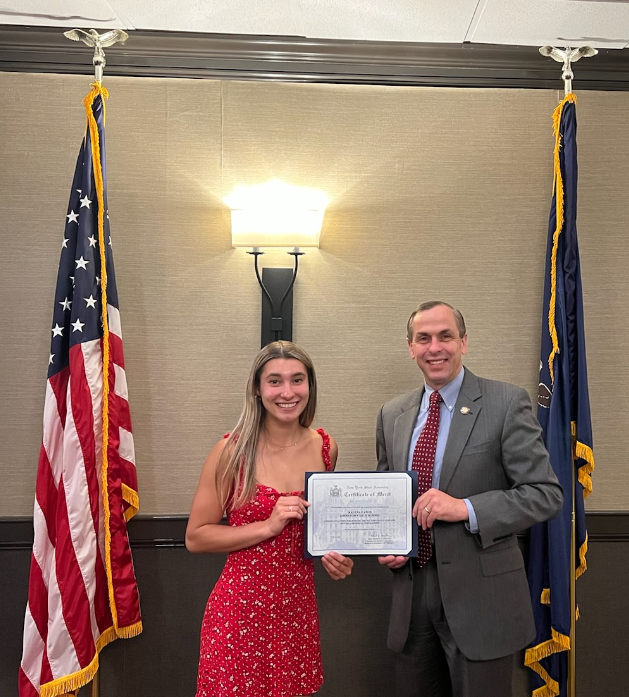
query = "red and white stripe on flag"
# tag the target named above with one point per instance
(82, 589)
(69, 613)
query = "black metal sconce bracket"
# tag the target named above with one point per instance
(277, 299)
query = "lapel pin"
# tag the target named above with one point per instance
(465, 410)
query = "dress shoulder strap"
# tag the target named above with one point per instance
(325, 449)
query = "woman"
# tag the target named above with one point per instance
(260, 632)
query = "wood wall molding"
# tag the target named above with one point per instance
(277, 58)
(147, 531)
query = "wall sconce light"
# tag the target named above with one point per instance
(276, 214)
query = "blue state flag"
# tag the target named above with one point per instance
(564, 414)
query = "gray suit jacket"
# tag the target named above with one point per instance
(496, 458)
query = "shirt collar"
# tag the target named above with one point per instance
(449, 393)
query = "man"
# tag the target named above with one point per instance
(458, 616)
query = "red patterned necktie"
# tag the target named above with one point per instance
(423, 463)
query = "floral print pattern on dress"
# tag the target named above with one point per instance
(260, 631)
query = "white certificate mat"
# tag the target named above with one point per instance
(361, 513)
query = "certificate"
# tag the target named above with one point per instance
(361, 513)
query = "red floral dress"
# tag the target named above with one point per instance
(260, 631)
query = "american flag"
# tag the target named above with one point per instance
(82, 590)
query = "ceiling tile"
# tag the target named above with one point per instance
(97, 14)
(383, 20)
(521, 22)
(217, 16)
(555, 22)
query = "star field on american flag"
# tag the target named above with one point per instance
(78, 294)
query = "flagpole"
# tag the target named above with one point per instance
(567, 56)
(95, 685)
(572, 659)
(98, 42)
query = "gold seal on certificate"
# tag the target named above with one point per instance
(361, 513)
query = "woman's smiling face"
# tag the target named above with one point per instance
(284, 388)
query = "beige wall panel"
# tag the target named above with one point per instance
(41, 123)
(604, 245)
(164, 176)
(435, 193)
(164, 155)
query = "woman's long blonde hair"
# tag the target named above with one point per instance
(235, 470)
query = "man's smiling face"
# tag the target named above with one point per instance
(436, 346)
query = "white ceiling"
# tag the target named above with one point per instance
(599, 23)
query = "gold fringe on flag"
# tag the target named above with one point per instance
(582, 562)
(558, 189)
(69, 684)
(533, 656)
(584, 452)
(132, 498)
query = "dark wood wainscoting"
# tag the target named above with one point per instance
(174, 587)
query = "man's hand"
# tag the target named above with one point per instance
(437, 505)
(392, 561)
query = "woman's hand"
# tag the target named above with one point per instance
(337, 566)
(286, 509)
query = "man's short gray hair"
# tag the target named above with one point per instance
(460, 322)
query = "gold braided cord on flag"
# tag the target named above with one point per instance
(131, 496)
(558, 188)
(97, 167)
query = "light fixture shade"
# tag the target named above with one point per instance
(276, 214)
(276, 228)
